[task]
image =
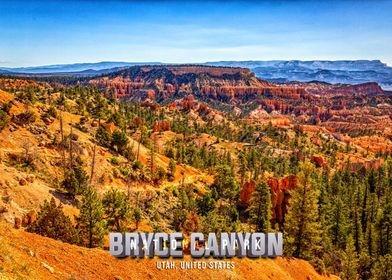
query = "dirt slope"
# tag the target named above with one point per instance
(25, 255)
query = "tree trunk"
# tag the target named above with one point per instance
(93, 164)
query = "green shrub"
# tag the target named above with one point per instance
(4, 120)
(26, 117)
(113, 160)
(103, 137)
(52, 222)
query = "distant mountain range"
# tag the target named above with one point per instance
(342, 71)
(76, 67)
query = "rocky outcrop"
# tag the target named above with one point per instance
(163, 125)
(246, 193)
(226, 84)
(343, 108)
(26, 220)
(280, 196)
(366, 89)
(318, 161)
(368, 164)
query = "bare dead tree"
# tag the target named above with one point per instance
(138, 146)
(70, 148)
(93, 163)
(61, 126)
(62, 142)
(27, 145)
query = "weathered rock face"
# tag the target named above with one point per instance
(163, 125)
(279, 195)
(27, 219)
(316, 88)
(222, 83)
(344, 108)
(318, 161)
(246, 193)
(369, 164)
(366, 88)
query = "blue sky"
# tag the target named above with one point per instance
(52, 32)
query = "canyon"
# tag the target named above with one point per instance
(342, 107)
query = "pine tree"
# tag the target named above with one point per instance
(337, 221)
(120, 140)
(151, 159)
(172, 169)
(52, 222)
(382, 270)
(116, 207)
(100, 107)
(206, 204)
(260, 207)
(384, 230)
(76, 178)
(302, 229)
(103, 137)
(137, 216)
(350, 261)
(4, 120)
(225, 182)
(91, 223)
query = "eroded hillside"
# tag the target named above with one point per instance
(195, 149)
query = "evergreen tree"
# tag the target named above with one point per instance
(337, 221)
(4, 120)
(302, 229)
(350, 261)
(151, 159)
(137, 216)
(116, 207)
(206, 203)
(99, 108)
(119, 140)
(226, 183)
(91, 223)
(103, 137)
(382, 270)
(75, 181)
(260, 207)
(384, 230)
(52, 222)
(172, 169)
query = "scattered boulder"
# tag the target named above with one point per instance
(43, 144)
(30, 178)
(47, 120)
(3, 209)
(109, 127)
(18, 223)
(74, 137)
(51, 136)
(22, 182)
(28, 218)
(84, 152)
(35, 129)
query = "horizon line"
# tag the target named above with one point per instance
(185, 62)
